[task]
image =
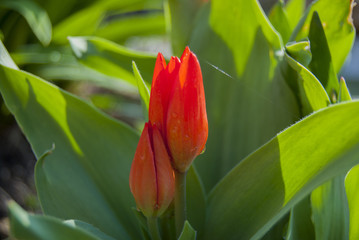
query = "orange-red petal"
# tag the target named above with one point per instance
(151, 176)
(143, 182)
(159, 66)
(164, 172)
(186, 124)
(160, 91)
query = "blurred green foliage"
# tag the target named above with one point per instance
(283, 132)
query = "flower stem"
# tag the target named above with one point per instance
(153, 228)
(180, 201)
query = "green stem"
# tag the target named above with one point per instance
(180, 201)
(153, 228)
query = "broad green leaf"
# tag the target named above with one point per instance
(188, 233)
(278, 17)
(300, 224)
(88, 228)
(35, 16)
(237, 22)
(244, 111)
(294, 9)
(291, 165)
(26, 226)
(86, 176)
(351, 186)
(338, 27)
(143, 90)
(196, 200)
(112, 59)
(321, 65)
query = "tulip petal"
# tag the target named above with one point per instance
(143, 183)
(160, 65)
(164, 172)
(185, 53)
(186, 125)
(161, 89)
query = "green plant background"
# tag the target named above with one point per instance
(283, 134)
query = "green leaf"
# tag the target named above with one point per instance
(143, 91)
(294, 9)
(321, 65)
(5, 58)
(330, 210)
(291, 165)
(58, 63)
(188, 233)
(77, 72)
(196, 200)
(91, 17)
(300, 51)
(245, 17)
(182, 15)
(300, 223)
(329, 202)
(351, 186)
(35, 16)
(311, 93)
(142, 221)
(88, 228)
(111, 59)
(344, 94)
(254, 105)
(94, 159)
(26, 226)
(278, 17)
(278, 230)
(351, 180)
(121, 27)
(338, 27)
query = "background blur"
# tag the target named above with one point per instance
(16, 158)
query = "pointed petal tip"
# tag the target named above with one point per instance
(173, 64)
(159, 66)
(185, 53)
(160, 61)
(161, 58)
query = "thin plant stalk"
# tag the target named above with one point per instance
(152, 224)
(180, 201)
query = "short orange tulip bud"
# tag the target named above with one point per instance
(151, 176)
(178, 107)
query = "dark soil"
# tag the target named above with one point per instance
(17, 164)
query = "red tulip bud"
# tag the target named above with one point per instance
(151, 176)
(178, 107)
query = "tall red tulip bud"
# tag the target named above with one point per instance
(178, 107)
(151, 176)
